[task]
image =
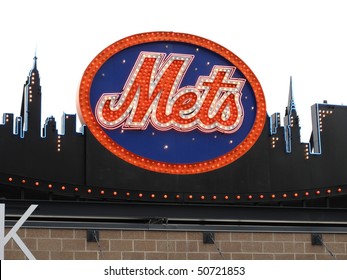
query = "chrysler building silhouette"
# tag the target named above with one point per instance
(291, 121)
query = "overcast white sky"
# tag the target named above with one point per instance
(276, 39)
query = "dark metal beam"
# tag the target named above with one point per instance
(182, 227)
(177, 216)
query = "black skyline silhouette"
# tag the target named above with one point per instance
(72, 165)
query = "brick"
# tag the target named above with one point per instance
(80, 234)
(305, 256)
(166, 246)
(284, 256)
(100, 255)
(156, 256)
(197, 256)
(14, 255)
(177, 256)
(110, 234)
(61, 244)
(222, 236)
(241, 236)
(207, 247)
(31, 243)
(230, 246)
(15, 246)
(156, 235)
(62, 233)
(317, 249)
(74, 244)
(336, 248)
(49, 244)
(37, 233)
(86, 255)
(260, 236)
(194, 235)
(328, 237)
(339, 237)
(133, 234)
(284, 237)
(9, 244)
(177, 235)
(62, 255)
(240, 256)
(186, 246)
(133, 255)
(111, 256)
(140, 245)
(41, 255)
(21, 232)
(326, 256)
(305, 237)
(103, 245)
(252, 247)
(291, 247)
(263, 256)
(121, 245)
(217, 256)
(273, 247)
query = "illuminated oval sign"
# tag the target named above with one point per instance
(172, 103)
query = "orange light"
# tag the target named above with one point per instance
(152, 195)
(329, 191)
(238, 197)
(50, 186)
(339, 190)
(89, 190)
(250, 197)
(261, 196)
(178, 196)
(307, 193)
(23, 181)
(10, 179)
(190, 196)
(296, 194)
(284, 195)
(63, 188)
(273, 196)
(214, 197)
(202, 197)
(115, 193)
(165, 196)
(226, 197)
(127, 194)
(37, 183)
(140, 194)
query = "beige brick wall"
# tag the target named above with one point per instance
(69, 244)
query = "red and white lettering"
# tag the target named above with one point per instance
(152, 94)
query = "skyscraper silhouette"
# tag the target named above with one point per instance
(31, 103)
(39, 160)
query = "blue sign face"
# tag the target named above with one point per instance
(172, 102)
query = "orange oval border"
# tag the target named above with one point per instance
(87, 117)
